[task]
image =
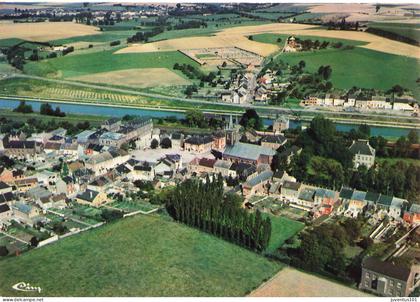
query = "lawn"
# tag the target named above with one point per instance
(78, 65)
(106, 36)
(282, 228)
(393, 160)
(362, 68)
(138, 256)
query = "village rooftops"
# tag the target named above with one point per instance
(207, 162)
(88, 195)
(387, 268)
(262, 177)
(361, 147)
(20, 145)
(290, 185)
(325, 193)
(6, 197)
(3, 185)
(415, 208)
(199, 140)
(372, 197)
(111, 136)
(358, 195)
(346, 193)
(385, 200)
(307, 194)
(248, 151)
(111, 121)
(122, 169)
(240, 168)
(223, 164)
(23, 207)
(274, 139)
(4, 208)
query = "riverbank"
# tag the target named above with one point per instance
(388, 128)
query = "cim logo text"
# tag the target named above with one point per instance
(26, 287)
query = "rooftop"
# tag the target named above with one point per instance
(386, 268)
(361, 147)
(248, 151)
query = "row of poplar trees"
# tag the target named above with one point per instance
(204, 205)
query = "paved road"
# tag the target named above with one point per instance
(272, 109)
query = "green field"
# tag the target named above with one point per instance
(138, 256)
(404, 29)
(77, 65)
(362, 68)
(282, 229)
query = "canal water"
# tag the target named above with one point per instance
(121, 111)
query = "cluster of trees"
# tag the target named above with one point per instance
(396, 179)
(206, 207)
(46, 109)
(68, 50)
(115, 43)
(190, 24)
(251, 119)
(322, 247)
(343, 25)
(392, 35)
(190, 71)
(33, 125)
(23, 108)
(144, 36)
(309, 44)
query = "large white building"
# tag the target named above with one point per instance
(363, 153)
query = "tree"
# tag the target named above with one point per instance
(166, 143)
(111, 215)
(413, 137)
(195, 118)
(3, 251)
(302, 64)
(34, 241)
(154, 144)
(23, 108)
(251, 119)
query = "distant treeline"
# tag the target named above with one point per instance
(392, 36)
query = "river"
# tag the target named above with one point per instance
(121, 111)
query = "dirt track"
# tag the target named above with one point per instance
(290, 282)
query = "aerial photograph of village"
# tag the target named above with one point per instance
(216, 149)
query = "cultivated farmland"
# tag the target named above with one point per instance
(45, 31)
(138, 256)
(138, 78)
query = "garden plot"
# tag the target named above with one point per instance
(12, 245)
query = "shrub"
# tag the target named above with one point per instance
(3, 251)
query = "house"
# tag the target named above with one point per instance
(379, 102)
(5, 213)
(202, 165)
(325, 197)
(103, 162)
(280, 124)
(384, 202)
(25, 213)
(412, 216)
(252, 136)
(65, 185)
(112, 124)
(385, 278)
(5, 188)
(281, 176)
(55, 201)
(397, 207)
(306, 198)
(363, 153)
(99, 184)
(243, 171)
(248, 153)
(372, 198)
(219, 141)
(199, 144)
(91, 197)
(311, 101)
(290, 190)
(83, 137)
(24, 185)
(37, 193)
(46, 177)
(258, 184)
(21, 149)
(144, 171)
(113, 139)
(356, 204)
(6, 175)
(175, 160)
(165, 166)
(273, 141)
(223, 167)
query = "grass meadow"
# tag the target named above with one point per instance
(138, 256)
(283, 228)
